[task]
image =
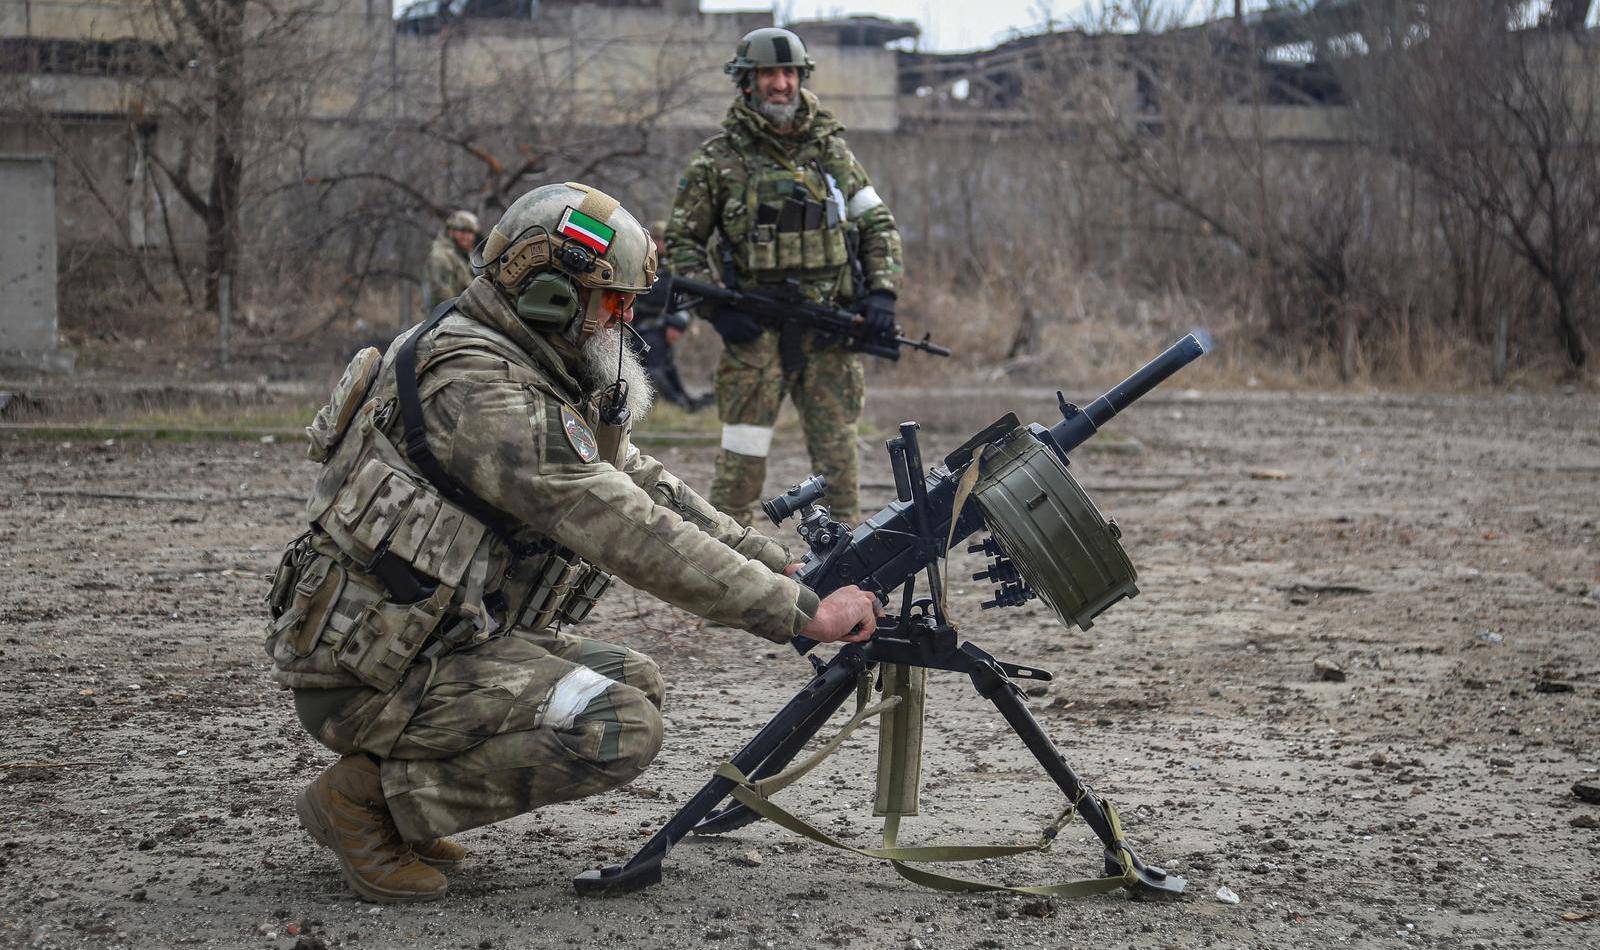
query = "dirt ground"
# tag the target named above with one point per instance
(1444, 552)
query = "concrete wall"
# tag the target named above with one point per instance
(28, 264)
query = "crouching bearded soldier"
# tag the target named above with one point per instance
(478, 493)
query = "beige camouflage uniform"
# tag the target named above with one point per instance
(446, 274)
(728, 181)
(522, 716)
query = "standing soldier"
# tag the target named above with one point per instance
(449, 270)
(794, 213)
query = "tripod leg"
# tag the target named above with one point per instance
(994, 686)
(736, 814)
(827, 689)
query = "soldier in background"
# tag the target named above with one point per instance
(449, 271)
(795, 213)
(478, 489)
(661, 327)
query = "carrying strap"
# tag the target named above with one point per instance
(415, 442)
(750, 794)
(755, 794)
(969, 478)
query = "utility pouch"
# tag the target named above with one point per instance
(333, 419)
(549, 590)
(281, 595)
(387, 637)
(763, 247)
(369, 507)
(836, 252)
(814, 248)
(587, 589)
(320, 585)
(900, 741)
(791, 250)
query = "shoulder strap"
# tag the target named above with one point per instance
(416, 434)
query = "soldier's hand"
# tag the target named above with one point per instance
(848, 615)
(877, 309)
(792, 568)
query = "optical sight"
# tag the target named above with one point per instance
(808, 492)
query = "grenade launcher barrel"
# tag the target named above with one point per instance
(1077, 425)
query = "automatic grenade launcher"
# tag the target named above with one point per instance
(1046, 539)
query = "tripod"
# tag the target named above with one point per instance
(919, 636)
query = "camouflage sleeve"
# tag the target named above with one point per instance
(671, 492)
(880, 251)
(512, 450)
(694, 218)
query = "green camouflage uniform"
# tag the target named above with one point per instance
(501, 721)
(447, 272)
(734, 186)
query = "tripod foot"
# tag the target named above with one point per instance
(614, 879)
(1151, 879)
(731, 818)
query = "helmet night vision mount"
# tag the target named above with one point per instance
(1047, 540)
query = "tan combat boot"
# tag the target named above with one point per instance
(344, 809)
(440, 853)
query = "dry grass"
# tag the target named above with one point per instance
(1091, 333)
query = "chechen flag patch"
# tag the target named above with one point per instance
(588, 231)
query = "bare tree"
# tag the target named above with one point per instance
(1502, 123)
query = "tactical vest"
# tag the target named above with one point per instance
(794, 224)
(392, 567)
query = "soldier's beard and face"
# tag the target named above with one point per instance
(600, 364)
(775, 94)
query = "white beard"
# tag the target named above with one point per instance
(600, 358)
(780, 115)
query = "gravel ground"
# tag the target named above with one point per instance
(1439, 552)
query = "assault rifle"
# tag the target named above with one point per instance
(790, 307)
(1047, 540)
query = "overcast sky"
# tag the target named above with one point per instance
(952, 24)
(962, 24)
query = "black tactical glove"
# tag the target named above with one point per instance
(733, 326)
(878, 309)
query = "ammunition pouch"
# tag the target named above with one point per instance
(388, 636)
(796, 225)
(563, 590)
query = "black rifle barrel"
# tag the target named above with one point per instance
(1077, 427)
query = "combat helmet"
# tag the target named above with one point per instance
(768, 46)
(462, 220)
(556, 239)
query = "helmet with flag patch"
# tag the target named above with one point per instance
(768, 46)
(558, 238)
